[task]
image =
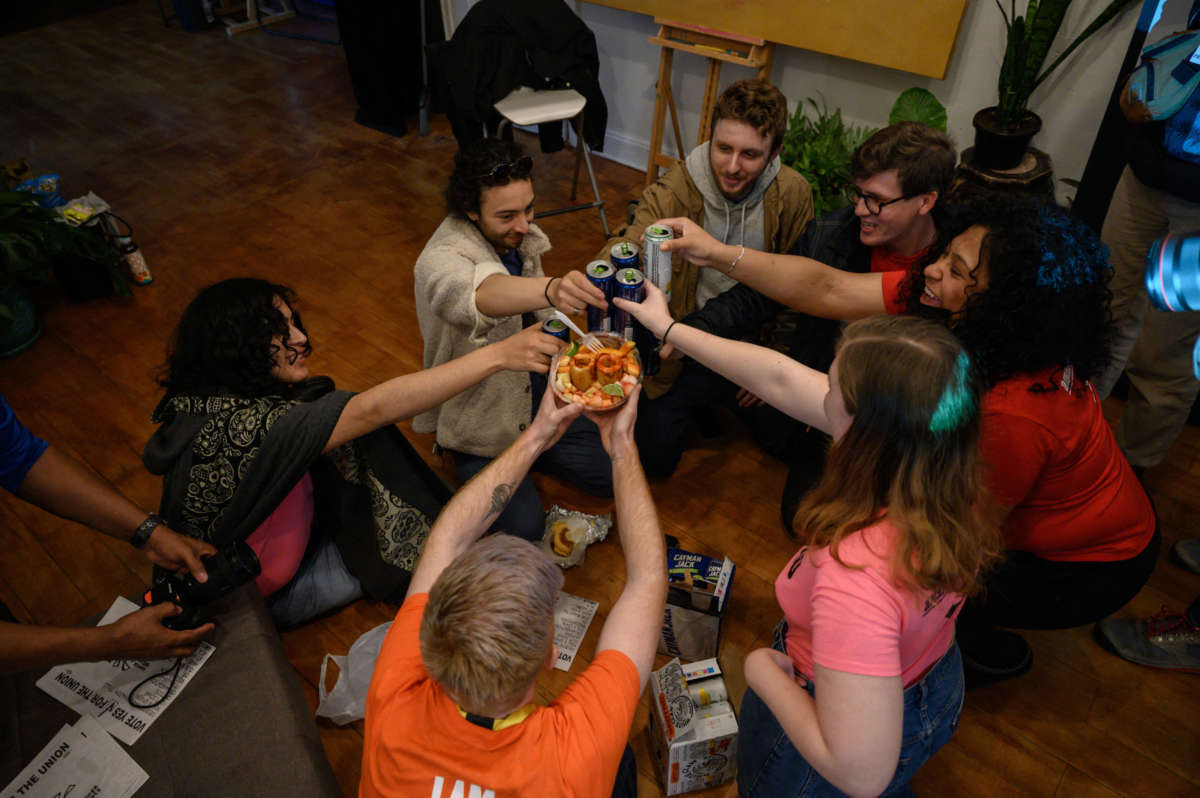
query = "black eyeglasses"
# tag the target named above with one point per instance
(874, 205)
(509, 169)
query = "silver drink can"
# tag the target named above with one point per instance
(656, 264)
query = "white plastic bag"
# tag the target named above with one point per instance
(347, 701)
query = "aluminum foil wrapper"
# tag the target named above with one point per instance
(583, 529)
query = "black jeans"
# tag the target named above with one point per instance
(662, 424)
(1028, 592)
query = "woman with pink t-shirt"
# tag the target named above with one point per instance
(865, 681)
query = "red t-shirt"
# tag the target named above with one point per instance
(892, 302)
(883, 260)
(1052, 457)
(416, 742)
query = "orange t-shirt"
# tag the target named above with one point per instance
(416, 743)
(1052, 457)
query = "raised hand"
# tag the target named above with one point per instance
(695, 244)
(141, 635)
(177, 552)
(616, 427)
(529, 350)
(574, 291)
(652, 311)
(552, 418)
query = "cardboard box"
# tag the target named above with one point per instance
(698, 588)
(694, 745)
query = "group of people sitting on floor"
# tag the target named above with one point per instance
(951, 475)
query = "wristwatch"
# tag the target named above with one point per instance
(142, 533)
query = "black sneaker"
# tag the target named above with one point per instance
(994, 655)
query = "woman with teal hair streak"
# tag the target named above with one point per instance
(865, 681)
(1024, 286)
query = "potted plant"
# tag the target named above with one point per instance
(1003, 131)
(820, 150)
(34, 244)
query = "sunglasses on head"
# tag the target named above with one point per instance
(509, 169)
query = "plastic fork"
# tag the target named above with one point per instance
(585, 339)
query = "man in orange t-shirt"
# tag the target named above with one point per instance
(449, 709)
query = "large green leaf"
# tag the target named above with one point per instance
(918, 105)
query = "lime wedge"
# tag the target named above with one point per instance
(572, 349)
(613, 389)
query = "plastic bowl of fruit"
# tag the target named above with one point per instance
(597, 380)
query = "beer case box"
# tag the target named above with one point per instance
(698, 587)
(695, 747)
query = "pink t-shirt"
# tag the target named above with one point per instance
(857, 620)
(281, 540)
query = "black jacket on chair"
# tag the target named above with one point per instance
(503, 44)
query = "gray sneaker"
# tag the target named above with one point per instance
(1187, 554)
(1167, 640)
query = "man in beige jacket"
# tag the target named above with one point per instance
(735, 187)
(480, 280)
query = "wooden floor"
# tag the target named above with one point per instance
(240, 157)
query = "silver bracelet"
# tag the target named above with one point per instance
(735, 261)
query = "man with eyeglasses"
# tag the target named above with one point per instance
(736, 188)
(479, 280)
(899, 175)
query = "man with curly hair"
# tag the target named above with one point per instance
(735, 186)
(1023, 286)
(901, 173)
(450, 709)
(478, 280)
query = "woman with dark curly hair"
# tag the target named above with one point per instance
(317, 481)
(1022, 285)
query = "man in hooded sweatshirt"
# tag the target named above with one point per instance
(736, 188)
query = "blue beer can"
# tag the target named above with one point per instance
(601, 275)
(557, 329)
(624, 256)
(631, 285)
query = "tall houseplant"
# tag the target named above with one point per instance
(1003, 131)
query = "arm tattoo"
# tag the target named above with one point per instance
(500, 497)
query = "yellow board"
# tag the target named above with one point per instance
(915, 36)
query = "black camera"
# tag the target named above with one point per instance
(232, 566)
(1173, 278)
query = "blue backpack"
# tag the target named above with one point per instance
(1165, 79)
(1181, 138)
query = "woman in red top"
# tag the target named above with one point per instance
(1023, 286)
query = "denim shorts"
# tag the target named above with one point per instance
(769, 765)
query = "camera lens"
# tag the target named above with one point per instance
(1173, 272)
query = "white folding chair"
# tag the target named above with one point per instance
(525, 106)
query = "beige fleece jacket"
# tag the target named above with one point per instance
(484, 419)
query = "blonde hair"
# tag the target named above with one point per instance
(489, 623)
(911, 451)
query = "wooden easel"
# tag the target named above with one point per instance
(717, 47)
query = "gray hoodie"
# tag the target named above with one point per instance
(730, 222)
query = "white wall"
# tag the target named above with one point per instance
(1071, 102)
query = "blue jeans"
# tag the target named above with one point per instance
(322, 583)
(769, 765)
(578, 457)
